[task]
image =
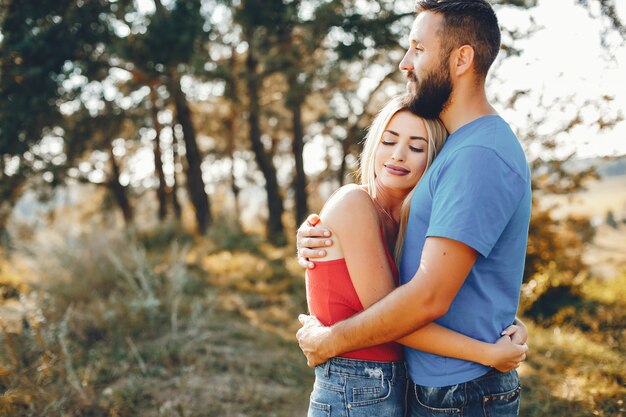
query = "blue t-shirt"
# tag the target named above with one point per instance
(477, 191)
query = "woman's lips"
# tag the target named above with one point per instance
(396, 170)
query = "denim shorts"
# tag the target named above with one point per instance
(495, 394)
(359, 388)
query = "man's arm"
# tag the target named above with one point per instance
(444, 265)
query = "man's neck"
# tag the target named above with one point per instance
(465, 107)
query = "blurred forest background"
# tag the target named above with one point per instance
(157, 155)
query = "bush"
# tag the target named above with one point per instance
(554, 267)
(95, 298)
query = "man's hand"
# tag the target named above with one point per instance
(309, 239)
(314, 340)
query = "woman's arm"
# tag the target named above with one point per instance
(351, 215)
(503, 355)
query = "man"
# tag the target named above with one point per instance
(466, 237)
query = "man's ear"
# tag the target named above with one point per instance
(463, 60)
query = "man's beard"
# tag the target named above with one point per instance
(431, 95)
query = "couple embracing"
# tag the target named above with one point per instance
(417, 271)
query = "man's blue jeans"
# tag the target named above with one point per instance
(495, 394)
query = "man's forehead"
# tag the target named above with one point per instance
(425, 26)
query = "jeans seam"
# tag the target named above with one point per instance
(507, 394)
(320, 406)
(488, 400)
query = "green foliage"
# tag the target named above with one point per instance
(171, 38)
(554, 264)
(32, 69)
(226, 234)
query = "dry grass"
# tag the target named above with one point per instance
(145, 327)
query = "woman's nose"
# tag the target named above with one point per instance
(398, 155)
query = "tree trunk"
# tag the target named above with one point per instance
(195, 183)
(232, 133)
(118, 190)
(174, 190)
(345, 146)
(298, 148)
(158, 162)
(11, 189)
(275, 228)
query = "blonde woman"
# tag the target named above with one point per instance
(372, 382)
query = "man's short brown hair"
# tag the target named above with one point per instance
(467, 22)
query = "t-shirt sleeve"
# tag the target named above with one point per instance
(474, 196)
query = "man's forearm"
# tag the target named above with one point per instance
(443, 268)
(403, 311)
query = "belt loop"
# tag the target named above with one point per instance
(393, 371)
(327, 368)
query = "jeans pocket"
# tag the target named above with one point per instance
(364, 391)
(448, 401)
(318, 409)
(504, 404)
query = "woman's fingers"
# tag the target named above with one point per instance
(509, 330)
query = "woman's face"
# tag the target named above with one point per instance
(402, 153)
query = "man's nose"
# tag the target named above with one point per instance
(406, 64)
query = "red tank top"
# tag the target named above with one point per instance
(331, 297)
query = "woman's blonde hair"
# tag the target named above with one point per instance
(436, 137)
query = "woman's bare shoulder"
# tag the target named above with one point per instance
(349, 206)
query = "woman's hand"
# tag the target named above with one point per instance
(506, 355)
(518, 332)
(310, 239)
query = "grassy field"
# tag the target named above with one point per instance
(599, 197)
(106, 324)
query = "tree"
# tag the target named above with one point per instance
(170, 41)
(31, 72)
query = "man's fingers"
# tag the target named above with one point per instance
(319, 232)
(304, 263)
(312, 253)
(313, 219)
(302, 318)
(314, 242)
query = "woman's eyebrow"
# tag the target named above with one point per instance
(412, 137)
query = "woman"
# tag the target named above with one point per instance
(398, 149)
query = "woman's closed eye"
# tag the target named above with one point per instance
(414, 149)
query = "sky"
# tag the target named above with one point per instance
(566, 58)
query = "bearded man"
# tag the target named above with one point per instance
(465, 245)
